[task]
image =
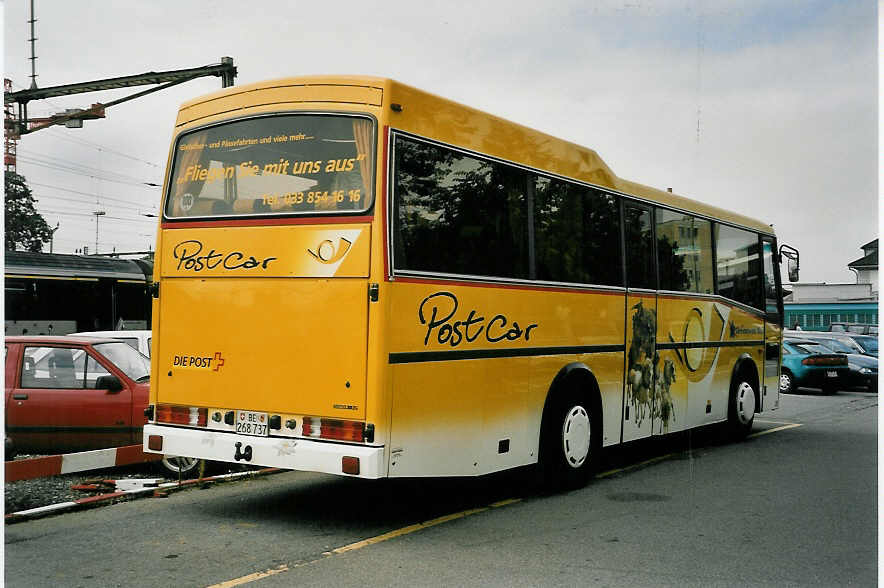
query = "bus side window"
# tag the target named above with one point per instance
(639, 237)
(771, 292)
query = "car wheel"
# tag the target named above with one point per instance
(569, 443)
(741, 408)
(787, 383)
(183, 467)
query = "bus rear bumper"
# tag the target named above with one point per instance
(295, 454)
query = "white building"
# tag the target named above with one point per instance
(866, 267)
(813, 306)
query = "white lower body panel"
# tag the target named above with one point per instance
(293, 454)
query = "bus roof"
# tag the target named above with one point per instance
(453, 123)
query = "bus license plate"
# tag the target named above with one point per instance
(831, 374)
(251, 423)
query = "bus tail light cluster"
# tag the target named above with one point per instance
(334, 429)
(278, 425)
(825, 360)
(190, 416)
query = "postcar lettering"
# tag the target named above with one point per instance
(188, 254)
(437, 311)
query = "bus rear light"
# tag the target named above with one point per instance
(333, 429)
(155, 442)
(191, 416)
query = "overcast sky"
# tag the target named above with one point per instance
(768, 108)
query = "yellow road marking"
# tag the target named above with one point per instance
(635, 465)
(367, 542)
(774, 430)
(506, 502)
(407, 530)
(251, 577)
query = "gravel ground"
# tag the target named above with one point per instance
(25, 494)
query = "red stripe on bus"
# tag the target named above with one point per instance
(259, 222)
(386, 250)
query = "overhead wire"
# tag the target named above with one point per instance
(102, 148)
(102, 199)
(68, 169)
(77, 218)
(67, 164)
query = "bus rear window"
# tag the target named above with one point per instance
(274, 166)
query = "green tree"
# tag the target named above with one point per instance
(25, 227)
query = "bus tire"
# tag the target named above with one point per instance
(570, 442)
(741, 406)
(182, 467)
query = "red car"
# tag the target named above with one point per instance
(77, 393)
(66, 394)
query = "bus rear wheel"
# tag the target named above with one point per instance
(183, 467)
(569, 443)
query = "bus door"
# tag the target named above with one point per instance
(773, 327)
(641, 335)
(641, 322)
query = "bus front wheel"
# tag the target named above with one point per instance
(570, 434)
(741, 407)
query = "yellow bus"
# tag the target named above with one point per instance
(356, 277)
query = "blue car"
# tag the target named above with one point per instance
(807, 363)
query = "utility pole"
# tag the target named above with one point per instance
(52, 236)
(33, 55)
(97, 214)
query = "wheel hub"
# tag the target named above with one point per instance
(575, 436)
(176, 463)
(745, 403)
(785, 382)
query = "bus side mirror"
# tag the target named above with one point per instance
(793, 270)
(791, 254)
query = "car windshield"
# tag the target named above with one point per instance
(131, 362)
(837, 346)
(809, 348)
(869, 344)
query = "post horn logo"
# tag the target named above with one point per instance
(326, 252)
